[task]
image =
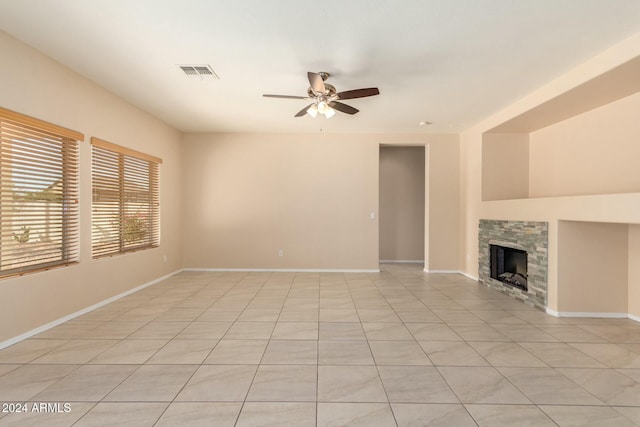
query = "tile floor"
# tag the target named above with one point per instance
(398, 348)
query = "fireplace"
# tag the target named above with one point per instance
(509, 266)
(512, 259)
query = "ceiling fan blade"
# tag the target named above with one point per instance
(358, 93)
(303, 111)
(343, 107)
(316, 82)
(286, 96)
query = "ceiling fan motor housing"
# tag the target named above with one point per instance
(329, 91)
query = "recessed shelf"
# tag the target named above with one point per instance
(583, 142)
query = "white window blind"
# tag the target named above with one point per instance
(125, 211)
(38, 194)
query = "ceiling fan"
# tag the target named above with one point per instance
(325, 98)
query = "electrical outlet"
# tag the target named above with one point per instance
(280, 252)
(164, 258)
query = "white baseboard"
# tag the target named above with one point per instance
(552, 312)
(441, 271)
(468, 276)
(592, 314)
(401, 261)
(61, 320)
(322, 270)
(284, 270)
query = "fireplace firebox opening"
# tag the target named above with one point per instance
(509, 266)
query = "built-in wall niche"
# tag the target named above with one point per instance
(583, 142)
(598, 268)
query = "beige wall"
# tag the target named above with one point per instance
(402, 203)
(634, 270)
(36, 86)
(505, 166)
(443, 204)
(470, 199)
(611, 208)
(592, 267)
(593, 153)
(247, 196)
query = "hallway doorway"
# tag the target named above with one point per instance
(402, 204)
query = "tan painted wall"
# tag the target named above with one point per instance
(505, 166)
(593, 153)
(470, 200)
(402, 203)
(592, 267)
(34, 85)
(634, 270)
(613, 208)
(444, 205)
(247, 196)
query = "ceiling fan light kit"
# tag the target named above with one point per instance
(323, 108)
(325, 97)
(330, 112)
(313, 110)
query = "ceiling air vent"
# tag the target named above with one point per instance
(199, 72)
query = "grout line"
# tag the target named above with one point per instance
(375, 363)
(198, 366)
(318, 352)
(263, 353)
(85, 414)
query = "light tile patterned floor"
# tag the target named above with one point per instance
(398, 348)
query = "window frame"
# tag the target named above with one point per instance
(104, 169)
(39, 144)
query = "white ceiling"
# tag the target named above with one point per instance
(450, 62)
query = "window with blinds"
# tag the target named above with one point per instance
(39, 225)
(125, 210)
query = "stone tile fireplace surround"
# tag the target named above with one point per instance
(529, 236)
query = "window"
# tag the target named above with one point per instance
(125, 211)
(38, 194)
